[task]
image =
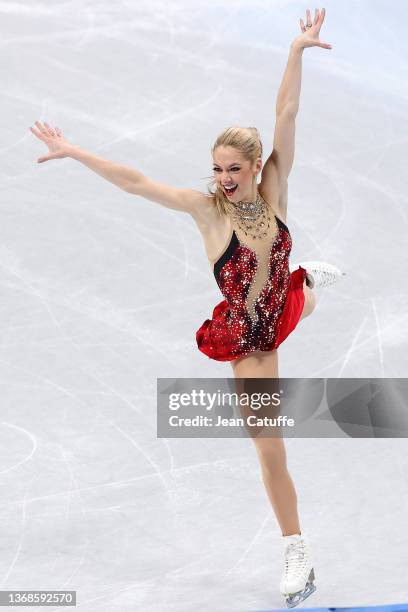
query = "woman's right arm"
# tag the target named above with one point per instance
(126, 178)
(133, 181)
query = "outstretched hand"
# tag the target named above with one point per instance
(311, 31)
(58, 146)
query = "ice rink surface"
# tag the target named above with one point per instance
(102, 293)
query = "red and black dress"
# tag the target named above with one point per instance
(263, 300)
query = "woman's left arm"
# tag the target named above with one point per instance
(279, 164)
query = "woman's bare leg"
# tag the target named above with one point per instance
(271, 450)
(310, 301)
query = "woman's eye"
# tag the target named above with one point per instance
(234, 169)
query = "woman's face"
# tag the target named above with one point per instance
(232, 170)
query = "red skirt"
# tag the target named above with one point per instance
(286, 323)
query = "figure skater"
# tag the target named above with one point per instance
(243, 226)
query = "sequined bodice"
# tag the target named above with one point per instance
(253, 276)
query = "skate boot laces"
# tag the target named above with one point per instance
(325, 275)
(295, 558)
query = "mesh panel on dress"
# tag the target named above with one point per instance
(262, 248)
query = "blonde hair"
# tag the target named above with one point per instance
(247, 141)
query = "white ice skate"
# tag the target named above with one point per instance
(319, 273)
(298, 574)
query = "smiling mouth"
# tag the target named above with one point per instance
(230, 191)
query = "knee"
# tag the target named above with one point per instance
(310, 301)
(271, 453)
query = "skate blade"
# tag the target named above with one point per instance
(297, 598)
